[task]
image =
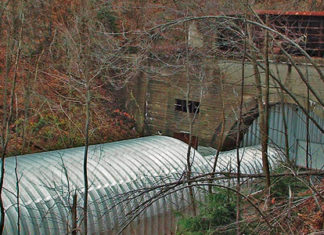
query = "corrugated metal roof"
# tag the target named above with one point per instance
(296, 125)
(114, 169)
(251, 159)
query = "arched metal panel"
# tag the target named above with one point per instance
(49, 180)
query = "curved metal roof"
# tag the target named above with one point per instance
(251, 159)
(48, 180)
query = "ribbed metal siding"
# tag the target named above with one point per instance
(251, 159)
(296, 123)
(114, 169)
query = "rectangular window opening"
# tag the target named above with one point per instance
(181, 105)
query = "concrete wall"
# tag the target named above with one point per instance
(288, 76)
(217, 86)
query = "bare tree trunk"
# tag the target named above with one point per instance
(307, 124)
(74, 215)
(238, 160)
(8, 111)
(85, 160)
(191, 191)
(5, 141)
(285, 127)
(26, 113)
(283, 112)
(17, 196)
(4, 135)
(83, 37)
(265, 134)
(263, 131)
(220, 139)
(15, 75)
(2, 221)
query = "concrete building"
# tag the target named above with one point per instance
(212, 85)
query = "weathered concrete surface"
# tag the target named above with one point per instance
(152, 98)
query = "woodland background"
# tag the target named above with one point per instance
(40, 56)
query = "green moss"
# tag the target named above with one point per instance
(218, 211)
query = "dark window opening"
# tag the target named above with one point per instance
(181, 105)
(183, 136)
